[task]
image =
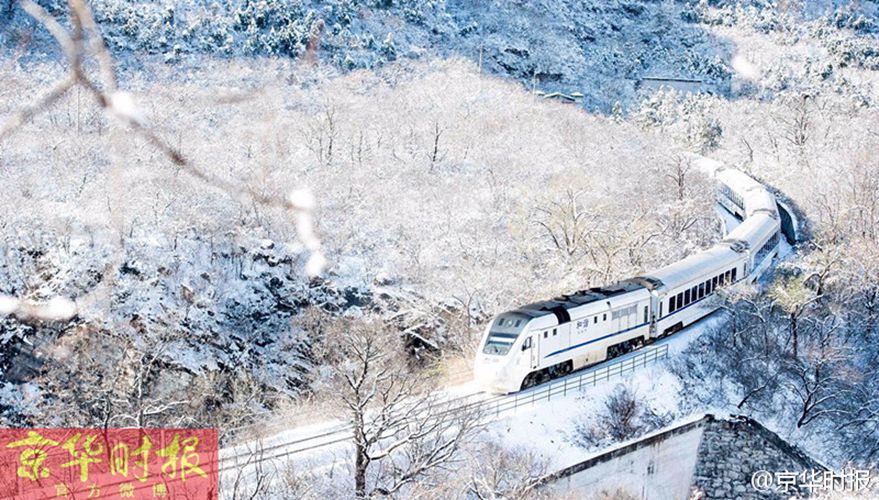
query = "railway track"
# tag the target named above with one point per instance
(496, 405)
(486, 405)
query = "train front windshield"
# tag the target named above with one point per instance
(499, 344)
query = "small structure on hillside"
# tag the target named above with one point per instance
(680, 84)
(573, 97)
(709, 458)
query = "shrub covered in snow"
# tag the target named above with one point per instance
(625, 415)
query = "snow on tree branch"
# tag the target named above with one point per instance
(79, 43)
(54, 309)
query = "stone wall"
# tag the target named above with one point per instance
(732, 450)
(704, 459)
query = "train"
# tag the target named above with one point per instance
(537, 342)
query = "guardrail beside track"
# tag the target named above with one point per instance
(487, 405)
(576, 381)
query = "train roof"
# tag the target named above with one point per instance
(760, 205)
(760, 200)
(738, 181)
(576, 299)
(755, 229)
(691, 268)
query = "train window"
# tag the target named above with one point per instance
(645, 314)
(734, 274)
(701, 290)
(554, 332)
(671, 303)
(518, 322)
(595, 319)
(660, 309)
(604, 317)
(546, 334)
(680, 300)
(714, 282)
(693, 292)
(726, 277)
(500, 322)
(686, 297)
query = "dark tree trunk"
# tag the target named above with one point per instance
(361, 457)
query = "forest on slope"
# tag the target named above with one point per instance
(444, 191)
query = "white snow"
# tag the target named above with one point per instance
(744, 67)
(56, 309)
(8, 305)
(122, 105)
(315, 264)
(302, 198)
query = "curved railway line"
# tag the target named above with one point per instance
(480, 403)
(750, 247)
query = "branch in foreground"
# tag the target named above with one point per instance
(121, 107)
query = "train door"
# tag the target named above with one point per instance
(535, 353)
(530, 350)
(655, 313)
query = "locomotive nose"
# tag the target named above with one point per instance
(490, 374)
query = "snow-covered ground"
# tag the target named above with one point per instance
(544, 427)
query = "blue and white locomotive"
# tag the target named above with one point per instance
(538, 341)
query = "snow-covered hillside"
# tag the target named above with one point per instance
(446, 190)
(601, 49)
(417, 218)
